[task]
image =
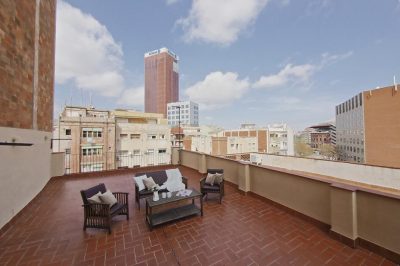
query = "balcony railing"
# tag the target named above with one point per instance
(79, 163)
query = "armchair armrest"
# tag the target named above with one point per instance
(185, 181)
(96, 209)
(122, 197)
(202, 180)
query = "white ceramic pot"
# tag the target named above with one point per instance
(155, 196)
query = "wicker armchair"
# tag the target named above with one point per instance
(98, 215)
(217, 188)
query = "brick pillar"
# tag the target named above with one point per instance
(244, 177)
(344, 214)
(202, 163)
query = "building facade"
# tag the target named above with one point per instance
(186, 112)
(142, 139)
(280, 139)
(27, 51)
(253, 139)
(367, 127)
(161, 80)
(322, 134)
(87, 136)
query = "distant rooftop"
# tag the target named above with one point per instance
(161, 50)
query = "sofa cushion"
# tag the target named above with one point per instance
(149, 192)
(159, 177)
(149, 183)
(139, 181)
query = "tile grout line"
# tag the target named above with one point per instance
(172, 249)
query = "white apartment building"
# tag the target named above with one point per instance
(187, 112)
(280, 139)
(142, 139)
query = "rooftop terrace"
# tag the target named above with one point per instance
(243, 230)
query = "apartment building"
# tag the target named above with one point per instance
(185, 113)
(142, 139)
(322, 134)
(87, 136)
(161, 80)
(247, 139)
(280, 139)
(367, 127)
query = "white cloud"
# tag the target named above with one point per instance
(299, 74)
(329, 59)
(289, 74)
(132, 97)
(218, 90)
(220, 21)
(86, 53)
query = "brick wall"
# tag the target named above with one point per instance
(17, 64)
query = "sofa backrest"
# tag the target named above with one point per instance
(92, 191)
(160, 177)
(215, 171)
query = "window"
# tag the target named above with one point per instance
(162, 136)
(92, 132)
(162, 151)
(150, 151)
(151, 136)
(67, 151)
(68, 132)
(136, 152)
(135, 136)
(92, 151)
(123, 136)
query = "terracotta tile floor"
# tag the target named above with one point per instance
(242, 231)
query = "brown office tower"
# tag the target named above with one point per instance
(161, 80)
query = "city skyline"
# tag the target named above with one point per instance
(310, 55)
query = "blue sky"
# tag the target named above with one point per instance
(259, 61)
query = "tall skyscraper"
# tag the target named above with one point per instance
(161, 80)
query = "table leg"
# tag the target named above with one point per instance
(201, 205)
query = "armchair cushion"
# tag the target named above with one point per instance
(116, 208)
(108, 198)
(95, 198)
(207, 187)
(210, 179)
(218, 178)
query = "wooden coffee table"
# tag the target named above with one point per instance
(173, 213)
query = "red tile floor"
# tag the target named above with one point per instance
(243, 230)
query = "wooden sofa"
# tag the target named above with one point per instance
(159, 178)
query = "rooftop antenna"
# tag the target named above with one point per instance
(82, 97)
(395, 84)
